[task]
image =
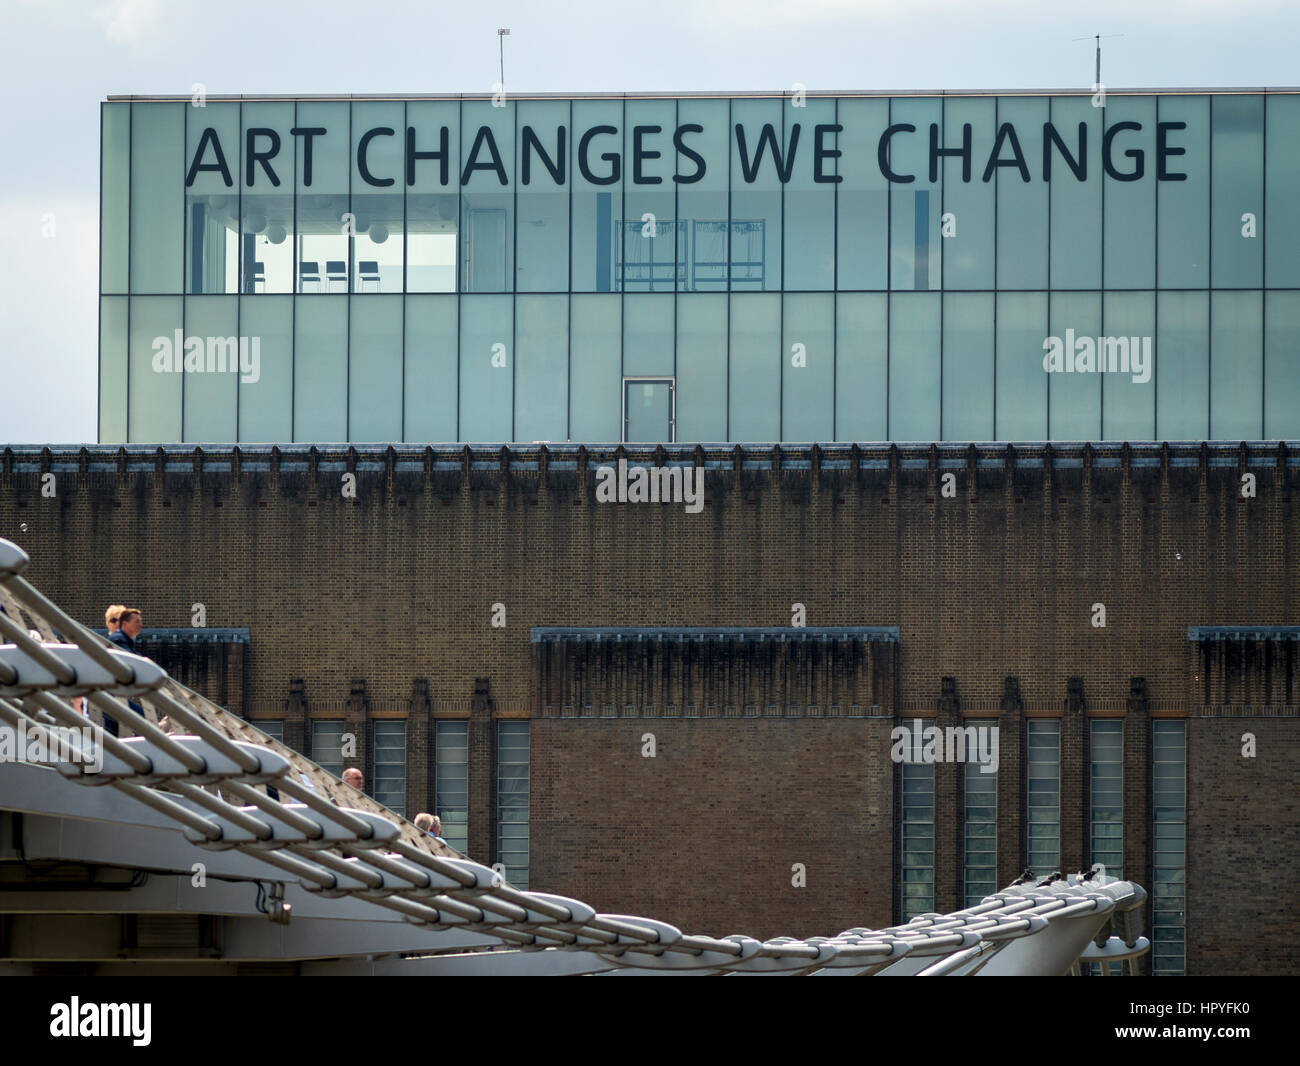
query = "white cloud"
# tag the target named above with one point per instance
(134, 23)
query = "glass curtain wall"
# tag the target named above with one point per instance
(798, 268)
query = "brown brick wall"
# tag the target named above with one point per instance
(399, 584)
(705, 834)
(1243, 846)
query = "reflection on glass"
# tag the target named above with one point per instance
(431, 242)
(378, 247)
(916, 252)
(487, 149)
(597, 193)
(647, 233)
(268, 252)
(542, 235)
(702, 194)
(212, 241)
(213, 157)
(265, 208)
(761, 156)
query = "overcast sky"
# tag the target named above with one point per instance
(62, 57)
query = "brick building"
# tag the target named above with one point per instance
(687, 715)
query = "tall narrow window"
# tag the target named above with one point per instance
(327, 746)
(390, 765)
(1044, 770)
(1169, 805)
(512, 800)
(981, 861)
(918, 839)
(451, 785)
(272, 727)
(1106, 787)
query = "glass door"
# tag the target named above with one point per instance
(648, 410)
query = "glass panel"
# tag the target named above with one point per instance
(320, 369)
(1282, 365)
(1236, 365)
(649, 411)
(1183, 357)
(1075, 198)
(1237, 184)
(917, 838)
(1183, 206)
(701, 146)
(1128, 382)
(272, 727)
(1022, 205)
(968, 253)
(212, 380)
(213, 157)
(1282, 155)
(324, 225)
(808, 374)
(432, 337)
(486, 368)
(375, 378)
(914, 367)
(266, 209)
(432, 195)
(157, 202)
(487, 147)
(760, 161)
(810, 200)
(862, 245)
(915, 251)
(114, 197)
(1106, 791)
(541, 399)
(513, 800)
(1130, 194)
(1043, 766)
(648, 335)
(1074, 392)
(1169, 857)
(702, 367)
(451, 802)
(967, 363)
(377, 190)
(597, 195)
(647, 229)
(595, 365)
(390, 765)
(981, 825)
(266, 405)
(755, 393)
(544, 149)
(112, 369)
(154, 377)
(861, 366)
(327, 746)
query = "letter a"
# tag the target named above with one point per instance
(605, 484)
(1054, 360)
(902, 743)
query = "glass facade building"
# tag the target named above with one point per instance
(741, 268)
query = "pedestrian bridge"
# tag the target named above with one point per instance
(194, 843)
